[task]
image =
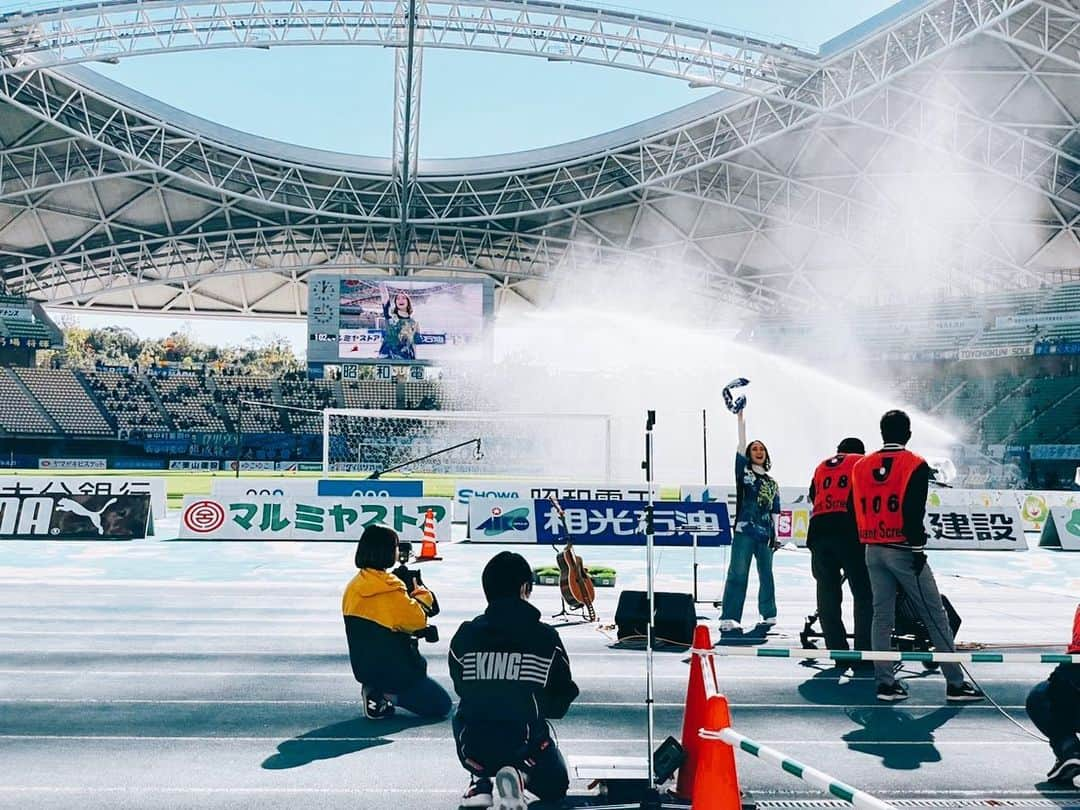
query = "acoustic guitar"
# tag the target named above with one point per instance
(577, 589)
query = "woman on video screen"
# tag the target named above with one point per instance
(399, 326)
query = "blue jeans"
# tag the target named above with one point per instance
(744, 548)
(424, 698)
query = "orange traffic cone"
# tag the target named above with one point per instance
(428, 548)
(694, 713)
(717, 784)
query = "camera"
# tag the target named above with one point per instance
(411, 577)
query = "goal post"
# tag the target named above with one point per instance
(557, 445)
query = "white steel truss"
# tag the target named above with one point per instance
(102, 203)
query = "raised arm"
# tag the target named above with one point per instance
(742, 431)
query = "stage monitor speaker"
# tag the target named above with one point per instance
(675, 617)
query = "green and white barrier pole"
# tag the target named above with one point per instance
(925, 657)
(812, 776)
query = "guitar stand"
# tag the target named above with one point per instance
(574, 613)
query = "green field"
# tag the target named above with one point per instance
(180, 483)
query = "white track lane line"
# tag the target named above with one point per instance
(448, 737)
(347, 702)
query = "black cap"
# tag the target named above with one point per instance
(504, 575)
(851, 445)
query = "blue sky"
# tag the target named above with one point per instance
(473, 104)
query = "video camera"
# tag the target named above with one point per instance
(411, 577)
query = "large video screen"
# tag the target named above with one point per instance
(394, 319)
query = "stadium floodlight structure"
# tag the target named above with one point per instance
(568, 446)
(775, 188)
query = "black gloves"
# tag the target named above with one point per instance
(918, 561)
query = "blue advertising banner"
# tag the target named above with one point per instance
(1058, 347)
(602, 522)
(617, 523)
(347, 488)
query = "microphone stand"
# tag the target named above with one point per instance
(411, 461)
(650, 529)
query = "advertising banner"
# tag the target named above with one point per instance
(990, 352)
(263, 488)
(1057, 347)
(57, 516)
(993, 528)
(597, 522)
(72, 464)
(311, 519)
(465, 491)
(251, 466)
(1035, 505)
(345, 487)
(1038, 319)
(199, 465)
(89, 485)
(1062, 529)
(299, 466)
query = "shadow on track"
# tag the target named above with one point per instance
(882, 728)
(338, 739)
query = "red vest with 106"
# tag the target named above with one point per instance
(879, 482)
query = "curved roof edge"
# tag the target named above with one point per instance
(365, 164)
(883, 19)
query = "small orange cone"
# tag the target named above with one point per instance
(717, 784)
(428, 548)
(694, 713)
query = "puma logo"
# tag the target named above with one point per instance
(68, 505)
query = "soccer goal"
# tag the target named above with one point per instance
(575, 445)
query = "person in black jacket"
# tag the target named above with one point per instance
(512, 674)
(1054, 707)
(835, 550)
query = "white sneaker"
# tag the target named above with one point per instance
(769, 621)
(729, 626)
(509, 790)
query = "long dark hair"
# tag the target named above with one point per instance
(768, 459)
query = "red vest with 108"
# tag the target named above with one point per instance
(879, 482)
(832, 483)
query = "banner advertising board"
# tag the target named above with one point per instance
(597, 522)
(299, 466)
(312, 519)
(72, 464)
(1035, 505)
(200, 465)
(991, 528)
(89, 485)
(366, 488)
(465, 491)
(1062, 529)
(263, 488)
(251, 466)
(58, 516)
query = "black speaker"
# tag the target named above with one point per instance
(675, 617)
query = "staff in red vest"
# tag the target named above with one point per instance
(835, 550)
(1054, 707)
(888, 499)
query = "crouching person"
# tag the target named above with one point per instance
(512, 674)
(381, 618)
(1054, 706)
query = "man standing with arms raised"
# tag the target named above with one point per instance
(888, 499)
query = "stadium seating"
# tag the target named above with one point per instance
(311, 394)
(229, 391)
(189, 402)
(127, 399)
(66, 400)
(369, 394)
(18, 413)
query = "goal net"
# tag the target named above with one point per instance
(573, 446)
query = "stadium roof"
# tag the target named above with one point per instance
(940, 133)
